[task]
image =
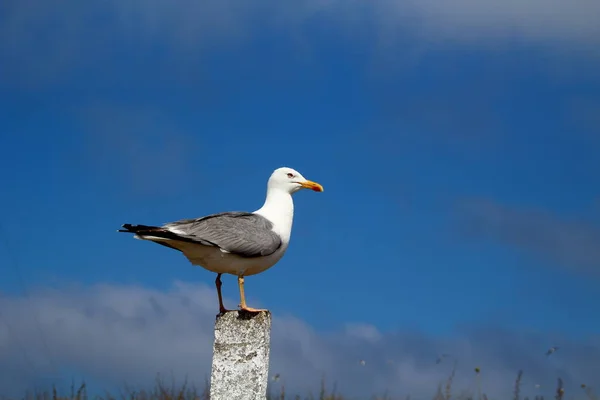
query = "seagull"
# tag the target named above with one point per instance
(551, 350)
(235, 242)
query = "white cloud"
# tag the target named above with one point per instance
(41, 40)
(113, 333)
(476, 20)
(452, 19)
(363, 331)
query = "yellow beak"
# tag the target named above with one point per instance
(312, 186)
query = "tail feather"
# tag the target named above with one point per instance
(151, 232)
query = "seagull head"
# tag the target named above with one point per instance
(291, 181)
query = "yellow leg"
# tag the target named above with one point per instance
(218, 283)
(243, 305)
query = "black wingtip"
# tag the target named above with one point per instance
(128, 228)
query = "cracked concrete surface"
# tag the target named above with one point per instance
(240, 366)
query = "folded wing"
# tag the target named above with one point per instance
(242, 233)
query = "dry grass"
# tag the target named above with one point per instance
(161, 391)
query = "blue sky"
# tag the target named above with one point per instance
(458, 146)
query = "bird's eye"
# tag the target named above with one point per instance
(290, 175)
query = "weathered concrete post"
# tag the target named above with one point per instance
(240, 365)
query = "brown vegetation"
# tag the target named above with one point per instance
(161, 391)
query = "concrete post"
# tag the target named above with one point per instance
(240, 365)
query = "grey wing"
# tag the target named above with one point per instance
(242, 233)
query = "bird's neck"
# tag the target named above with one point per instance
(279, 209)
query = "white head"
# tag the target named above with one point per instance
(290, 181)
